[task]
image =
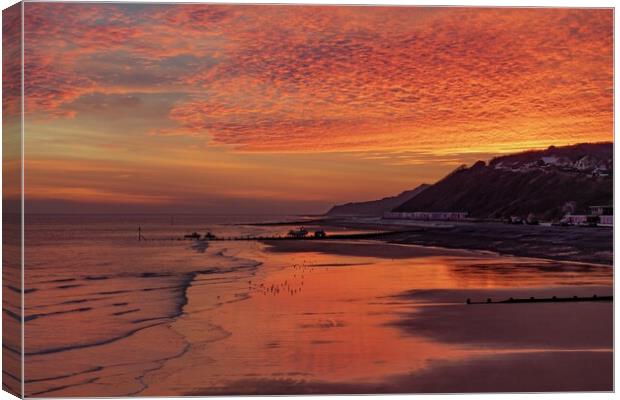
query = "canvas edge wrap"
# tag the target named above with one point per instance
(12, 200)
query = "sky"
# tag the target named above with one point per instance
(290, 109)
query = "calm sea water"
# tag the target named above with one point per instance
(108, 315)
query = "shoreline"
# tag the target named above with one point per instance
(282, 246)
(568, 244)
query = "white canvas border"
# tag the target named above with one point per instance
(476, 3)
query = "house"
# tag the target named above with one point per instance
(570, 219)
(606, 220)
(427, 216)
(601, 210)
(604, 213)
(599, 215)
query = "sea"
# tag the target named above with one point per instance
(112, 313)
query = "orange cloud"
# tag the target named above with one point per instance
(287, 78)
(11, 65)
(472, 76)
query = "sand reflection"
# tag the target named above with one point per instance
(325, 320)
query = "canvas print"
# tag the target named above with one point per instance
(227, 199)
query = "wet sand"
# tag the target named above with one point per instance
(359, 248)
(582, 244)
(525, 372)
(350, 318)
(575, 326)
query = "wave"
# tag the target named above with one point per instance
(143, 300)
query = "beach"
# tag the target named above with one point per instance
(123, 317)
(562, 243)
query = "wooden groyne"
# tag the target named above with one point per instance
(371, 235)
(213, 238)
(553, 299)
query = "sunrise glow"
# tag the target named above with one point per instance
(293, 108)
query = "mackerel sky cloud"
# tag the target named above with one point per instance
(370, 81)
